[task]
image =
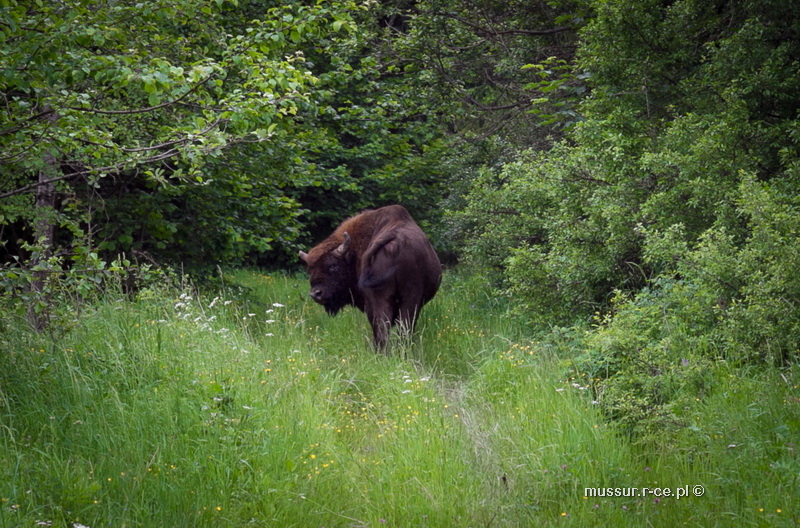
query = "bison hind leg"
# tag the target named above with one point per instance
(391, 302)
(405, 325)
(380, 311)
(386, 309)
(381, 322)
(406, 316)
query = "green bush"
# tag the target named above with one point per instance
(717, 302)
(649, 359)
(670, 211)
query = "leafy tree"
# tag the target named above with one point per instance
(117, 106)
(688, 98)
(668, 219)
(101, 94)
(378, 139)
(496, 68)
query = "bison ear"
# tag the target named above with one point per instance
(341, 250)
(304, 256)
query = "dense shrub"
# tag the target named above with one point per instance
(720, 300)
(670, 212)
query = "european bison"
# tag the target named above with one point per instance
(379, 261)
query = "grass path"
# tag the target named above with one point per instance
(254, 408)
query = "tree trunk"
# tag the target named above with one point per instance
(44, 234)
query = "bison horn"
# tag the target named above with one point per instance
(304, 256)
(341, 250)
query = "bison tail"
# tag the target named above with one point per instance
(372, 278)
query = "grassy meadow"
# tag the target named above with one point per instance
(249, 406)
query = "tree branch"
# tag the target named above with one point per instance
(141, 110)
(110, 168)
(31, 118)
(487, 31)
(119, 166)
(52, 118)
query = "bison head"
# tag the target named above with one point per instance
(332, 275)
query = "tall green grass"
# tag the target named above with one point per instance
(251, 407)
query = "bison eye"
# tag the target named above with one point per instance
(333, 268)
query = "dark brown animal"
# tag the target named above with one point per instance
(379, 261)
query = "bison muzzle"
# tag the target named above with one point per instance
(379, 261)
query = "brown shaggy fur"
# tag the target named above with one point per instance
(387, 268)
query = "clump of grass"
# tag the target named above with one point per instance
(251, 406)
